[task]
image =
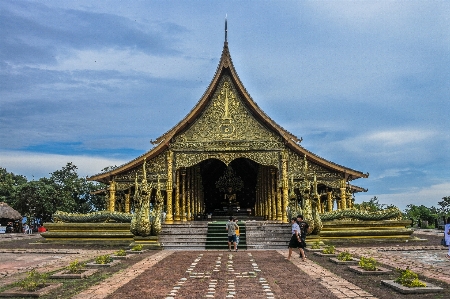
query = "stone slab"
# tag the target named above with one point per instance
(430, 288)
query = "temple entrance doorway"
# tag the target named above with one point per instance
(229, 190)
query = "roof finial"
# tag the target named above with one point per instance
(226, 31)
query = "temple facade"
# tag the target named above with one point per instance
(226, 156)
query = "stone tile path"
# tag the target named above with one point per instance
(430, 261)
(337, 285)
(111, 284)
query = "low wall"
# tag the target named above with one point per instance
(386, 229)
(88, 233)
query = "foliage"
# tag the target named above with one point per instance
(75, 266)
(64, 190)
(409, 278)
(421, 212)
(316, 245)
(372, 205)
(368, 263)
(444, 209)
(103, 259)
(9, 185)
(121, 252)
(137, 247)
(33, 281)
(330, 249)
(345, 256)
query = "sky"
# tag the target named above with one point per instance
(366, 84)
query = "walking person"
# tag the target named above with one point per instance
(303, 226)
(447, 236)
(231, 228)
(295, 237)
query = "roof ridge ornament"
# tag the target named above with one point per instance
(226, 30)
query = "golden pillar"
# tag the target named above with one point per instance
(188, 193)
(183, 194)
(177, 196)
(267, 199)
(329, 201)
(169, 187)
(112, 196)
(343, 195)
(284, 177)
(276, 199)
(127, 201)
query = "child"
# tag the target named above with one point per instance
(237, 233)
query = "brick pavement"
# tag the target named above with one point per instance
(119, 279)
(337, 285)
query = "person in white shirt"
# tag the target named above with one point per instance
(447, 236)
(295, 238)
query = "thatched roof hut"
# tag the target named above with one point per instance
(6, 212)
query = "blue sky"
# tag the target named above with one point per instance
(366, 84)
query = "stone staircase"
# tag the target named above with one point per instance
(187, 235)
(217, 237)
(212, 235)
(267, 235)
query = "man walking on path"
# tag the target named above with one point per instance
(303, 226)
(231, 228)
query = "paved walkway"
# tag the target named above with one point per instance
(337, 285)
(430, 261)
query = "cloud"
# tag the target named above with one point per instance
(37, 165)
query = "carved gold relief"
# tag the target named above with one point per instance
(226, 124)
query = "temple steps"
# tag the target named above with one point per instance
(212, 235)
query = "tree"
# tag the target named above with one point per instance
(444, 210)
(63, 191)
(9, 185)
(421, 212)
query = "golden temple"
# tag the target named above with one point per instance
(226, 156)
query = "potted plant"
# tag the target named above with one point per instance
(329, 250)
(120, 255)
(316, 246)
(74, 270)
(138, 248)
(344, 257)
(102, 261)
(408, 283)
(34, 285)
(368, 265)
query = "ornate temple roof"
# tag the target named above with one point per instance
(226, 67)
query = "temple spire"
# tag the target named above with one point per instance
(226, 30)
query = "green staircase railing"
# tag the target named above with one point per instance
(217, 237)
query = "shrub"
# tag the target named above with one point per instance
(137, 247)
(316, 245)
(121, 252)
(345, 256)
(33, 281)
(368, 263)
(103, 259)
(330, 249)
(75, 266)
(410, 279)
